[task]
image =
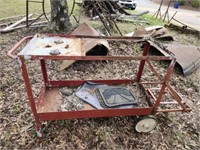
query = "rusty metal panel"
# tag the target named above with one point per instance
(90, 46)
(44, 45)
(157, 32)
(138, 111)
(188, 57)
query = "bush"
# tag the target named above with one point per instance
(182, 2)
(195, 3)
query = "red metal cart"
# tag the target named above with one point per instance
(44, 108)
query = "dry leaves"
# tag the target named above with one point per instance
(175, 130)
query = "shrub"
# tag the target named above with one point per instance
(182, 2)
(195, 3)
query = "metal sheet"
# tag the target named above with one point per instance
(91, 46)
(157, 32)
(43, 45)
(188, 57)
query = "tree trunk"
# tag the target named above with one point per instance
(59, 16)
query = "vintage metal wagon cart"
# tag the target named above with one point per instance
(44, 108)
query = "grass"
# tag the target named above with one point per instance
(153, 21)
(10, 8)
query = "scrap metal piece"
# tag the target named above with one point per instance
(184, 25)
(188, 57)
(90, 46)
(156, 32)
(184, 29)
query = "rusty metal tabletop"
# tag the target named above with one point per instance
(44, 45)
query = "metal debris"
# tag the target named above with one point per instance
(185, 29)
(184, 25)
(91, 46)
(156, 32)
(188, 57)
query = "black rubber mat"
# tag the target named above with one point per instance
(115, 96)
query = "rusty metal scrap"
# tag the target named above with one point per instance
(156, 32)
(45, 45)
(90, 46)
(188, 57)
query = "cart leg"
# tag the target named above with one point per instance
(29, 93)
(164, 85)
(142, 62)
(44, 71)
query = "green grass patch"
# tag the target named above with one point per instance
(152, 21)
(148, 17)
(10, 8)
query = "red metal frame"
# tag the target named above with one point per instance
(153, 101)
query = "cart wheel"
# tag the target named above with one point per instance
(146, 124)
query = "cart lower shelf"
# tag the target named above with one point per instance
(50, 101)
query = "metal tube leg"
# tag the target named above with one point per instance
(44, 71)
(142, 62)
(29, 92)
(166, 79)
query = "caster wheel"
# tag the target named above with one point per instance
(146, 124)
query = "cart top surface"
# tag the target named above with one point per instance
(44, 45)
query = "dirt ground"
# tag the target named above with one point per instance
(174, 131)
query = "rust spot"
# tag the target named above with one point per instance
(47, 46)
(66, 46)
